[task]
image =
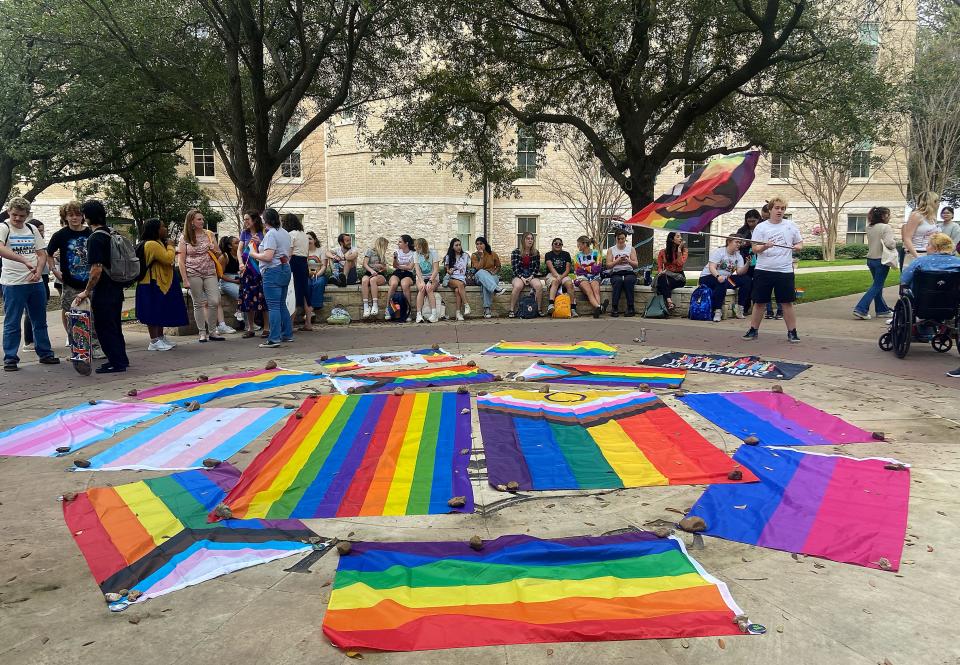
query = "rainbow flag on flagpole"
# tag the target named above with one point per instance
(523, 590)
(710, 191)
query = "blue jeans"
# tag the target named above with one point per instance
(875, 292)
(230, 289)
(276, 281)
(488, 284)
(32, 299)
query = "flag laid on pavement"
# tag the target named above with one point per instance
(604, 375)
(584, 349)
(184, 392)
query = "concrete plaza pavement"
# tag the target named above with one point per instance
(815, 611)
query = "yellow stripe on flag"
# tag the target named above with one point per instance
(621, 453)
(399, 494)
(153, 513)
(213, 386)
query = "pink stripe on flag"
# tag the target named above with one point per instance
(141, 454)
(788, 527)
(223, 431)
(184, 385)
(207, 564)
(819, 422)
(863, 516)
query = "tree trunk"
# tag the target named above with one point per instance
(7, 166)
(641, 194)
(830, 239)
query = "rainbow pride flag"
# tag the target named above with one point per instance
(256, 380)
(430, 377)
(839, 508)
(594, 440)
(75, 428)
(584, 349)
(775, 418)
(710, 191)
(389, 359)
(184, 439)
(362, 455)
(152, 536)
(521, 590)
(604, 375)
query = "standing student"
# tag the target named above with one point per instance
(670, 262)
(428, 279)
(950, 228)
(343, 261)
(456, 262)
(375, 276)
(774, 242)
(198, 253)
(299, 272)
(919, 227)
(764, 216)
(559, 266)
(622, 264)
(404, 262)
(22, 249)
(587, 267)
(525, 261)
(724, 271)
(106, 295)
(45, 280)
(879, 238)
(159, 297)
(486, 263)
(252, 303)
(274, 258)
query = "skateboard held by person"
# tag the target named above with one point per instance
(81, 336)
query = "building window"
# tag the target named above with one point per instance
(856, 229)
(610, 223)
(348, 225)
(869, 35)
(780, 166)
(290, 168)
(465, 230)
(690, 165)
(526, 152)
(526, 224)
(860, 162)
(203, 159)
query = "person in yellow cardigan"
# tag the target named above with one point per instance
(159, 298)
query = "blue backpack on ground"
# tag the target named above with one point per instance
(701, 304)
(399, 307)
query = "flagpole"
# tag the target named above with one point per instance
(733, 237)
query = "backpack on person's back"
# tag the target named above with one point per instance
(701, 304)
(124, 263)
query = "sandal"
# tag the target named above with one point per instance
(265, 334)
(248, 334)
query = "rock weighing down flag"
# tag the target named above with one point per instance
(839, 508)
(710, 191)
(594, 440)
(152, 536)
(521, 590)
(343, 456)
(75, 428)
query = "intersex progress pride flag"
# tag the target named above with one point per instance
(839, 508)
(520, 590)
(604, 375)
(776, 419)
(430, 377)
(711, 190)
(257, 380)
(362, 455)
(185, 438)
(584, 349)
(594, 440)
(152, 536)
(75, 428)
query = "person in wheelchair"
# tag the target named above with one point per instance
(938, 258)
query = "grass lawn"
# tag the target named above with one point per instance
(838, 262)
(823, 285)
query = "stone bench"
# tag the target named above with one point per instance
(349, 298)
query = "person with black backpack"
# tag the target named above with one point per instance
(105, 285)
(525, 261)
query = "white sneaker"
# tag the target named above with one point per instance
(168, 341)
(549, 309)
(28, 347)
(238, 316)
(738, 312)
(717, 315)
(459, 316)
(366, 311)
(419, 317)
(158, 345)
(224, 329)
(501, 289)
(573, 313)
(98, 353)
(373, 308)
(466, 309)
(386, 315)
(434, 316)
(67, 344)
(487, 313)
(862, 317)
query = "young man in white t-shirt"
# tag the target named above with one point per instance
(774, 242)
(24, 257)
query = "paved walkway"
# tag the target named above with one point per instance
(817, 612)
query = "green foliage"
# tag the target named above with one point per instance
(823, 285)
(815, 252)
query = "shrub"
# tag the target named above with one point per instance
(852, 251)
(810, 253)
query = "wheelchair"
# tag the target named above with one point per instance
(929, 312)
